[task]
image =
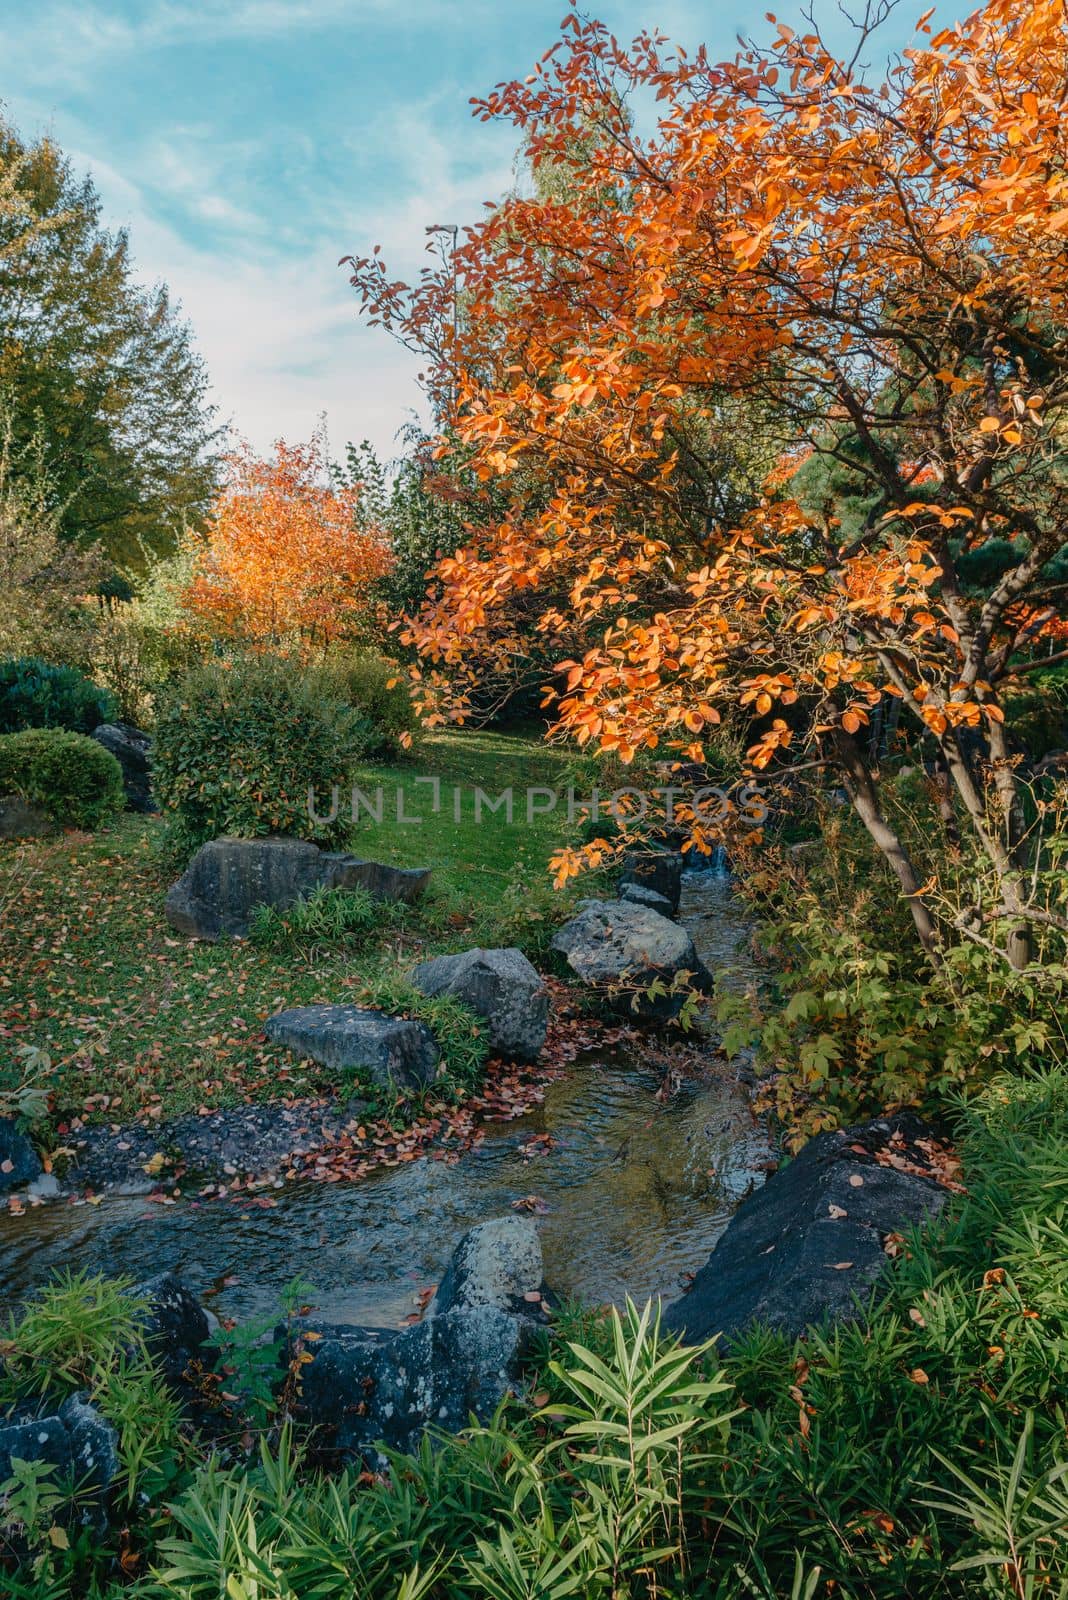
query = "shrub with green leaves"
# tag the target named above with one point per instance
(71, 777)
(240, 746)
(377, 689)
(36, 694)
(853, 1018)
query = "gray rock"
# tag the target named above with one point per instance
(79, 1445)
(176, 1328)
(404, 884)
(44, 1439)
(21, 820)
(808, 1246)
(228, 878)
(19, 1161)
(132, 749)
(498, 1263)
(639, 896)
(94, 1444)
(502, 987)
(394, 1050)
(435, 1375)
(371, 1389)
(659, 870)
(623, 948)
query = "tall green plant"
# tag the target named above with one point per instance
(253, 747)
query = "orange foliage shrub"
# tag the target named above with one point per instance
(286, 557)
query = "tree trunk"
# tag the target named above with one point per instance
(862, 792)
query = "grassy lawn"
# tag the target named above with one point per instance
(140, 1021)
(475, 861)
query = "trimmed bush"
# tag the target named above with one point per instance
(377, 689)
(71, 777)
(238, 747)
(35, 694)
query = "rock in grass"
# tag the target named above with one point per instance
(500, 986)
(399, 884)
(228, 878)
(19, 1161)
(78, 1444)
(132, 749)
(395, 1050)
(624, 948)
(809, 1245)
(21, 820)
(94, 1444)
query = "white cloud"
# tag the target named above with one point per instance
(280, 330)
(63, 43)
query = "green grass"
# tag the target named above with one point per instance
(140, 1021)
(474, 862)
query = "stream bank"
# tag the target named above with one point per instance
(631, 1178)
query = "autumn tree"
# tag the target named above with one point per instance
(288, 555)
(879, 267)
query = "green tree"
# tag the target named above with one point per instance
(43, 578)
(102, 368)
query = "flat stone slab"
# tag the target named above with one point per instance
(394, 1050)
(809, 1245)
(382, 882)
(500, 986)
(638, 895)
(228, 878)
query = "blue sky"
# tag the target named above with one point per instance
(248, 144)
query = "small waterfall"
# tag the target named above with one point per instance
(715, 865)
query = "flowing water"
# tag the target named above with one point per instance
(638, 1182)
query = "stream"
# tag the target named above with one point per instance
(636, 1189)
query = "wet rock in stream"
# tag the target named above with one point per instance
(19, 1161)
(624, 949)
(657, 870)
(809, 1246)
(362, 1390)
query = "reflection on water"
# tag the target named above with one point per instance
(638, 1188)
